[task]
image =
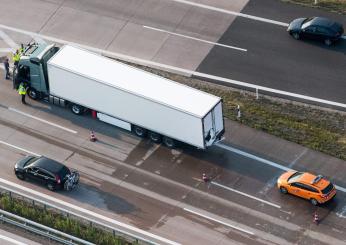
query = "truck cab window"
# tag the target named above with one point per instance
(24, 73)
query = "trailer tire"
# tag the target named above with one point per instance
(155, 137)
(77, 109)
(34, 94)
(169, 142)
(140, 132)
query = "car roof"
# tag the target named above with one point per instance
(48, 164)
(308, 178)
(321, 21)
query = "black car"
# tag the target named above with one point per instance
(316, 28)
(51, 173)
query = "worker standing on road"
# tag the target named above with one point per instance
(22, 91)
(16, 58)
(21, 50)
(7, 68)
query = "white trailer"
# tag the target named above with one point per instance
(135, 99)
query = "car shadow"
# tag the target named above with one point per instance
(339, 46)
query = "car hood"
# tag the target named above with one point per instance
(296, 24)
(21, 163)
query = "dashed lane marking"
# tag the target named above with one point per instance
(246, 195)
(19, 148)
(11, 240)
(219, 221)
(196, 39)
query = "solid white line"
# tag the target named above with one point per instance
(11, 240)
(42, 120)
(19, 148)
(8, 40)
(177, 69)
(208, 7)
(247, 195)
(259, 159)
(82, 210)
(219, 221)
(197, 39)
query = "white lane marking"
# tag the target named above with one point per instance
(259, 159)
(177, 69)
(11, 240)
(194, 38)
(42, 120)
(219, 221)
(247, 195)
(91, 213)
(342, 212)
(204, 6)
(19, 148)
(8, 40)
(148, 154)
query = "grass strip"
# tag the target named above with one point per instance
(59, 221)
(337, 6)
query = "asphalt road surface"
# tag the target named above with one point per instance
(160, 190)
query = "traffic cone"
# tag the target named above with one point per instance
(205, 178)
(316, 218)
(92, 136)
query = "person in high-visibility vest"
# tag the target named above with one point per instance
(16, 58)
(22, 92)
(21, 49)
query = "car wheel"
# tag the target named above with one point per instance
(51, 187)
(283, 190)
(295, 35)
(140, 132)
(169, 142)
(328, 42)
(155, 137)
(314, 201)
(20, 176)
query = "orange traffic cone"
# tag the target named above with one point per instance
(92, 136)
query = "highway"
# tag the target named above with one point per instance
(148, 189)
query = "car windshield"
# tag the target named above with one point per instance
(306, 23)
(30, 161)
(328, 189)
(294, 177)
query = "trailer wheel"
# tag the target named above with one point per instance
(76, 109)
(34, 94)
(155, 137)
(169, 142)
(140, 132)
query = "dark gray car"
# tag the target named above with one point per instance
(317, 28)
(46, 171)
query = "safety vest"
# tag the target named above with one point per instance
(16, 57)
(21, 89)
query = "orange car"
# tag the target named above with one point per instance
(314, 188)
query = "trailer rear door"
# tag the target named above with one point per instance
(213, 124)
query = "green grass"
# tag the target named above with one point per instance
(59, 222)
(338, 6)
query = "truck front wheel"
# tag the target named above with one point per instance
(77, 109)
(34, 94)
(155, 137)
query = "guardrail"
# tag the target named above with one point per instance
(42, 230)
(116, 232)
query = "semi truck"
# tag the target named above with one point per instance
(123, 95)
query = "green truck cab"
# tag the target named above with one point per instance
(32, 69)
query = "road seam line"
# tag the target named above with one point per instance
(196, 39)
(247, 195)
(265, 161)
(42, 120)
